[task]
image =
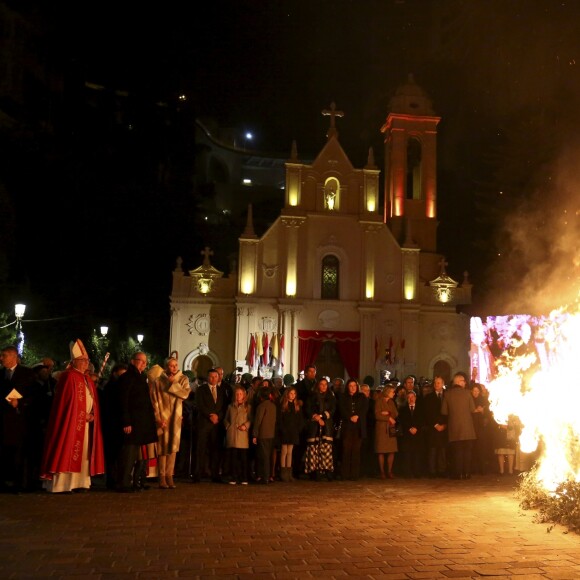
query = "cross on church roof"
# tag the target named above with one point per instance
(332, 113)
(206, 253)
(442, 263)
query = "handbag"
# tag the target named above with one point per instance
(394, 430)
(338, 429)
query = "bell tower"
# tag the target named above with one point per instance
(410, 136)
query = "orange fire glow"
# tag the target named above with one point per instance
(534, 378)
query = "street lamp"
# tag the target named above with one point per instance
(104, 330)
(140, 338)
(19, 310)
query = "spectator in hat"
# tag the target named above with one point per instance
(74, 425)
(288, 381)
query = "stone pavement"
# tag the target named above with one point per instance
(399, 529)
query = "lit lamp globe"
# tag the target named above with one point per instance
(104, 330)
(140, 338)
(19, 310)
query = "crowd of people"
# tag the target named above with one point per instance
(61, 430)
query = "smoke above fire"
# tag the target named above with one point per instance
(529, 362)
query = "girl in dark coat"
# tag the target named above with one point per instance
(290, 424)
(320, 408)
(353, 406)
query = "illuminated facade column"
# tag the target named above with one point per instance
(371, 186)
(242, 333)
(289, 328)
(291, 250)
(174, 324)
(294, 341)
(370, 241)
(410, 274)
(285, 329)
(293, 184)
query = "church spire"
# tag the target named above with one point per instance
(294, 151)
(371, 159)
(249, 231)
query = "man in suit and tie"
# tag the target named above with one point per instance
(17, 380)
(436, 430)
(211, 403)
(412, 420)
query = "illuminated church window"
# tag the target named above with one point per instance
(330, 273)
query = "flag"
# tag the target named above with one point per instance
(266, 355)
(376, 348)
(281, 352)
(251, 351)
(275, 349)
(259, 344)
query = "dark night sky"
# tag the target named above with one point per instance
(490, 67)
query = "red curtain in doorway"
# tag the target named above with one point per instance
(347, 344)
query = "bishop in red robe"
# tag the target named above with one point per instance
(73, 450)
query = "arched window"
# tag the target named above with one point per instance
(413, 169)
(330, 272)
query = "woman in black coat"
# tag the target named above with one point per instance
(353, 407)
(320, 408)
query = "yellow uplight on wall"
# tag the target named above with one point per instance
(371, 205)
(370, 287)
(409, 290)
(291, 287)
(247, 285)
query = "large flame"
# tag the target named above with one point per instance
(534, 380)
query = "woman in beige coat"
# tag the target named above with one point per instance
(237, 423)
(167, 394)
(385, 443)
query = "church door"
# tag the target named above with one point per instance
(442, 369)
(328, 363)
(200, 366)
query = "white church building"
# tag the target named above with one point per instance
(337, 281)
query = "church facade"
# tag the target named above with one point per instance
(338, 281)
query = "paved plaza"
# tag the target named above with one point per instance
(395, 529)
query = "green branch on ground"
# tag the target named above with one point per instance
(559, 507)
